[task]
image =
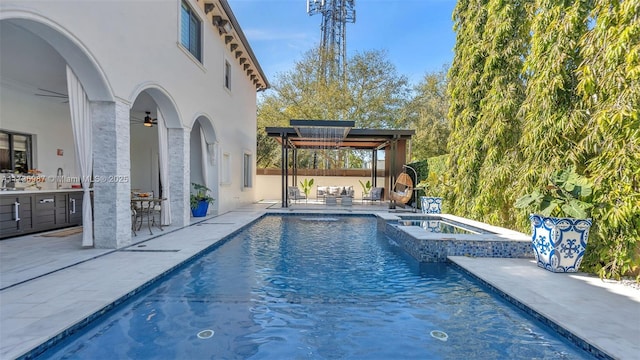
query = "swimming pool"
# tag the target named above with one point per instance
(314, 287)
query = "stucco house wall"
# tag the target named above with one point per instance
(129, 59)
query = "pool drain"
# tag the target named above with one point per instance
(205, 334)
(440, 335)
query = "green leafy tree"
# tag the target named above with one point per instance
(372, 94)
(609, 83)
(437, 183)
(269, 154)
(427, 114)
(376, 94)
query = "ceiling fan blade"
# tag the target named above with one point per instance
(53, 92)
(53, 96)
(139, 121)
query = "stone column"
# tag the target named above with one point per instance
(111, 171)
(179, 176)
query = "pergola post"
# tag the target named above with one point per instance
(294, 165)
(285, 166)
(374, 167)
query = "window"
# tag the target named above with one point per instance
(15, 152)
(247, 171)
(190, 31)
(226, 168)
(227, 75)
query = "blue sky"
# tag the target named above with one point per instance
(417, 34)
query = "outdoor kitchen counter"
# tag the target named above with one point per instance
(31, 210)
(36, 191)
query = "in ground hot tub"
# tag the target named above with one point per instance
(431, 238)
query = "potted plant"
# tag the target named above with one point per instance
(560, 223)
(366, 187)
(431, 204)
(306, 187)
(200, 200)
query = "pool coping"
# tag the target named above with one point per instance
(495, 232)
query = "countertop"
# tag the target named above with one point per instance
(36, 191)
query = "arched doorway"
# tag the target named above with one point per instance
(156, 132)
(144, 144)
(35, 54)
(204, 161)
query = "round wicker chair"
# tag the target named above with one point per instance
(402, 189)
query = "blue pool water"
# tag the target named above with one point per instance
(315, 288)
(437, 225)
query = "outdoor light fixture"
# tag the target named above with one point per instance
(148, 121)
(208, 7)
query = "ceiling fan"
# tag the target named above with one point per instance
(148, 121)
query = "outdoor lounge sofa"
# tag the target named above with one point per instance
(323, 191)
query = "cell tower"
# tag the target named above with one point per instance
(333, 47)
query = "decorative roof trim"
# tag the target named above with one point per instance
(263, 83)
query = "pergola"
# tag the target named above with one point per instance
(334, 134)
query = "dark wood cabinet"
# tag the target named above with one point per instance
(22, 214)
(62, 209)
(15, 215)
(44, 214)
(75, 208)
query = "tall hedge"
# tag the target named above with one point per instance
(506, 41)
(553, 114)
(466, 90)
(609, 83)
(575, 102)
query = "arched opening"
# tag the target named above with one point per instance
(35, 54)
(145, 166)
(152, 116)
(204, 164)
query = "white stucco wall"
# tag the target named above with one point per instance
(48, 121)
(135, 44)
(269, 186)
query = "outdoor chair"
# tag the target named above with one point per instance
(402, 190)
(375, 194)
(295, 194)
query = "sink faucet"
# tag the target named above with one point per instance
(8, 181)
(59, 175)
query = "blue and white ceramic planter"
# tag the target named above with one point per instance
(430, 205)
(559, 243)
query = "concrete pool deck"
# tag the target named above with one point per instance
(45, 292)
